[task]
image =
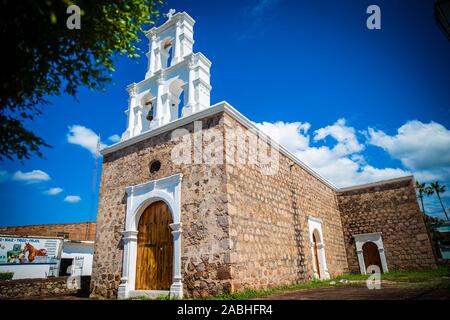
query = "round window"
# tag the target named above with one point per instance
(155, 166)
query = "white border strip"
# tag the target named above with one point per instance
(378, 183)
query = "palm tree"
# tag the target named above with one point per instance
(439, 189)
(421, 189)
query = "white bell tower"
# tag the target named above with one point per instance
(177, 81)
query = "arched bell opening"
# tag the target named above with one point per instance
(166, 53)
(147, 103)
(176, 90)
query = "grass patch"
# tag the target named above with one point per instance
(252, 293)
(404, 276)
(417, 276)
(6, 276)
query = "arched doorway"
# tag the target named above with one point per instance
(154, 248)
(316, 255)
(371, 255)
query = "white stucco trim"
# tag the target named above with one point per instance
(376, 184)
(360, 240)
(139, 197)
(315, 225)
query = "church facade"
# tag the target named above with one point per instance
(195, 200)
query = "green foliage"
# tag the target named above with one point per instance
(6, 276)
(433, 188)
(438, 189)
(404, 276)
(42, 57)
(421, 190)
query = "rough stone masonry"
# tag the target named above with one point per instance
(243, 229)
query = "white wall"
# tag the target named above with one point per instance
(79, 251)
(27, 271)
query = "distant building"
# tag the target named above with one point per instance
(76, 253)
(444, 240)
(79, 231)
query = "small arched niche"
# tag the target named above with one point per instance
(370, 251)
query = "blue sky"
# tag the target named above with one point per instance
(357, 105)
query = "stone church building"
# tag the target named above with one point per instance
(195, 200)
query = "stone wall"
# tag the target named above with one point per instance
(83, 231)
(205, 239)
(29, 288)
(390, 208)
(246, 229)
(269, 221)
(241, 229)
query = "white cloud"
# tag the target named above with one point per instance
(72, 199)
(343, 164)
(31, 176)
(114, 138)
(86, 138)
(262, 6)
(421, 147)
(53, 191)
(344, 135)
(291, 135)
(3, 175)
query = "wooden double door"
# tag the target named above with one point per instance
(155, 249)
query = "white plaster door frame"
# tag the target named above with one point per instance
(139, 197)
(360, 240)
(315, 225)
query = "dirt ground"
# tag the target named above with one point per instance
(353, 291)
(360, 292)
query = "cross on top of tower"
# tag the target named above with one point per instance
(170, 14)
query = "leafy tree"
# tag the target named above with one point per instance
(431, 224)
(421, 190)
(438, 189)
(42, 57)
